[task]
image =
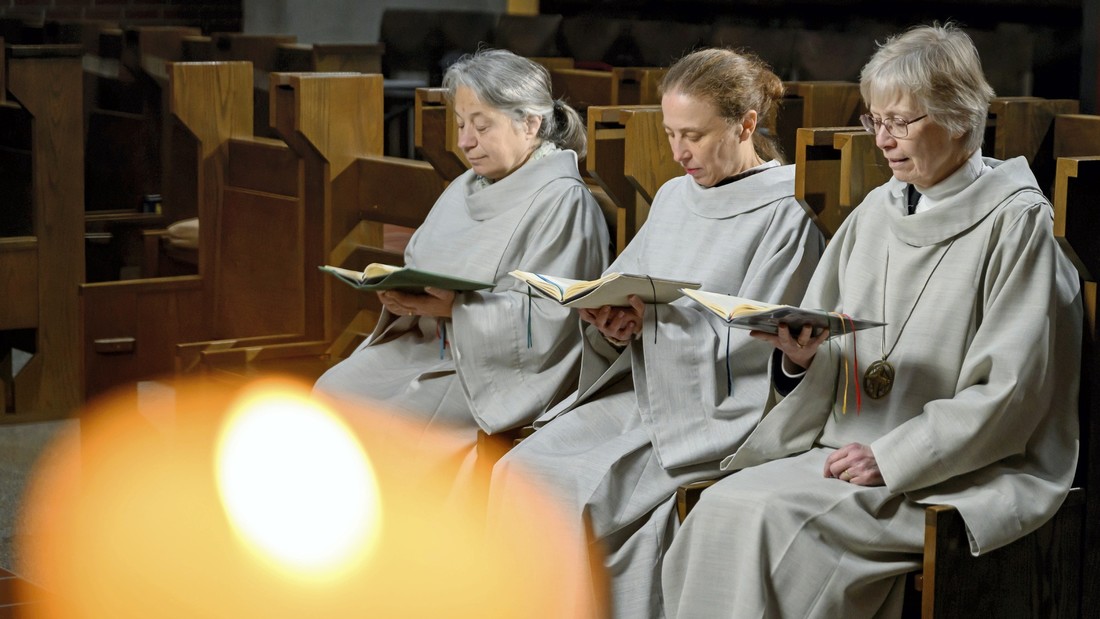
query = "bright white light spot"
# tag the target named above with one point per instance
(296, 483)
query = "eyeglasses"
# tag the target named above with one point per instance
(896, 127)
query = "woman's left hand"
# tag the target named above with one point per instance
(854, 463)
(435, 302)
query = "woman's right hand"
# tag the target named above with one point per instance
(616, 323)
(800, 350)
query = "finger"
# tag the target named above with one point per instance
(805, 335)
(831, 470)
(603, 314)
(435, 292)
(637, 303)
(627, 330)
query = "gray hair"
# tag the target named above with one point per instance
(939, 67)
(519, 88)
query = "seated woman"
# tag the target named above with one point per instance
(477, 360)
(969, 391)
(666, 391)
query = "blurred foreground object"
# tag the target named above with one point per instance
(260, 502)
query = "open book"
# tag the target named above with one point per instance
(611, 289)
(387, 277)
(748, 314)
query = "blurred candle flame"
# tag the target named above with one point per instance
(296, 484)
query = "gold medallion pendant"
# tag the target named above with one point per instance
(878, 380)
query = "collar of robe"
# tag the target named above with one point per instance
(964, 208)
(519, 187)
(767, 183)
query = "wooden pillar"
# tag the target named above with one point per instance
(47, 82)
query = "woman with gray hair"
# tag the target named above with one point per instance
(489, 360)
(967, 396)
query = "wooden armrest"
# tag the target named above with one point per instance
(688, 495)
(1036, 576)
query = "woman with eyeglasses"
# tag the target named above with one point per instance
(966, 397)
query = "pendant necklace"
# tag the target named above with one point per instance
(878, 380)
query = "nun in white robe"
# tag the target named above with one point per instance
(685, 392)
(480, 369)
(983, 333)
(956, 254)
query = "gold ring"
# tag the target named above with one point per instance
(799, 344)
(845, 475)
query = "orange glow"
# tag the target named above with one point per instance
(259, 502)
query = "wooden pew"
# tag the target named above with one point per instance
(1076, 185)
(814, 104)
(252, 276)
(1077, 144)
(41, 231)
(329, 57)
(349, 191)
(1024, 126)
(436, 133)
(1047, 572)
(835, 167)
(583, 88)
(126, 153)
(628, 156)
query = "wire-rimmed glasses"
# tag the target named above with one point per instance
(896, 127)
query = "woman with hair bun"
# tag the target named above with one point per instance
(666, 391)
(470, 361)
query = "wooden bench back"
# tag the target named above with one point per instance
(436, 134)
(252, 279)
(583, 88)
(365, 221)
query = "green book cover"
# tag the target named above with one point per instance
(387, 277)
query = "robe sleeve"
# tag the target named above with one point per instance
(1015, 400)
(701, 385)
(516, 353)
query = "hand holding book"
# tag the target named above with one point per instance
(617, 324)
(748, 314)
